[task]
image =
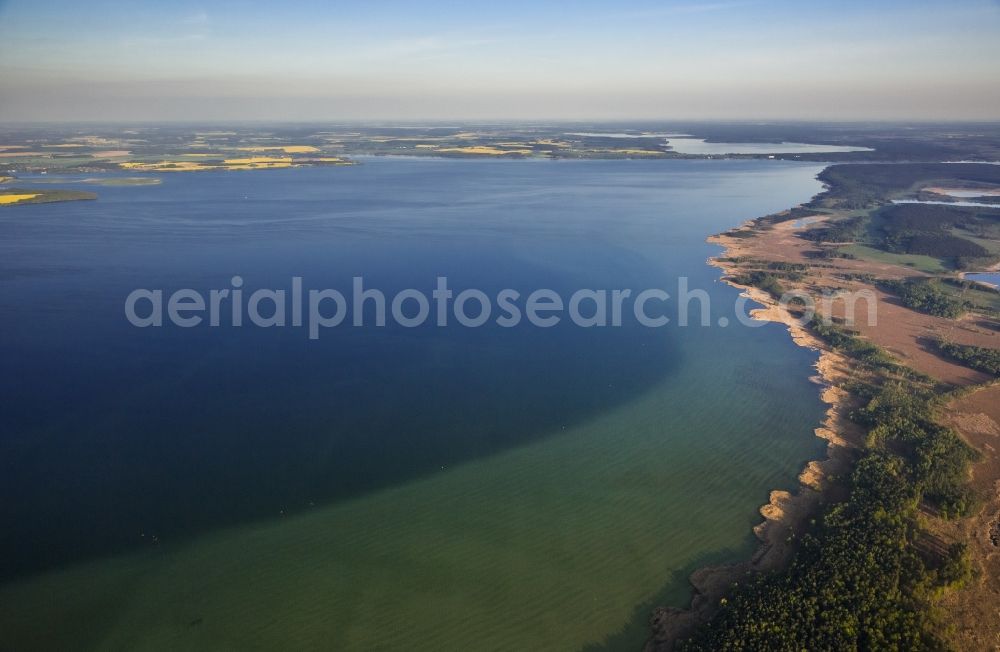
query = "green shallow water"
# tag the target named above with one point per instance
(559, 544)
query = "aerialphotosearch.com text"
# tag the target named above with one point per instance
(320, 309)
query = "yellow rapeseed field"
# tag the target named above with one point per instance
(636, 152)
(256, 159)
(485, 150)
(13, 199)
(166, 166)
(287, 149)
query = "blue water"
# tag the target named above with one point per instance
(993, 278)
(109, 432)
(945, 203)
(700, 146)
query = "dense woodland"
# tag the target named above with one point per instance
(864, 186)
(938, 231)
(926, 295)
(929, 229)
(976, 357)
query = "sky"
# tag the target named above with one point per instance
(499, 60)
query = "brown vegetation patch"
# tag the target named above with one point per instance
(974, 613)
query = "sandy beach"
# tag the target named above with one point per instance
(785, 513)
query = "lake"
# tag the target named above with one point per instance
(992, 278)
(701, 147)
(384, 487)
(944, 203)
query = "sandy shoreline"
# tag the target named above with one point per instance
(785, 512)
(831, 368)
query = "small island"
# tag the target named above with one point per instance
(18, 196)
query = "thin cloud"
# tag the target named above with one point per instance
(696, 8)
(197, 18)
(190, 28)
(422, 46)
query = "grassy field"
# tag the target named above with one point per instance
(918, 262)
(991, 245)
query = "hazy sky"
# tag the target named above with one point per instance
(511, 59)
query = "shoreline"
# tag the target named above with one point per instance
(989, 270)
(830, 368)
(785, 510)
(973, 415)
